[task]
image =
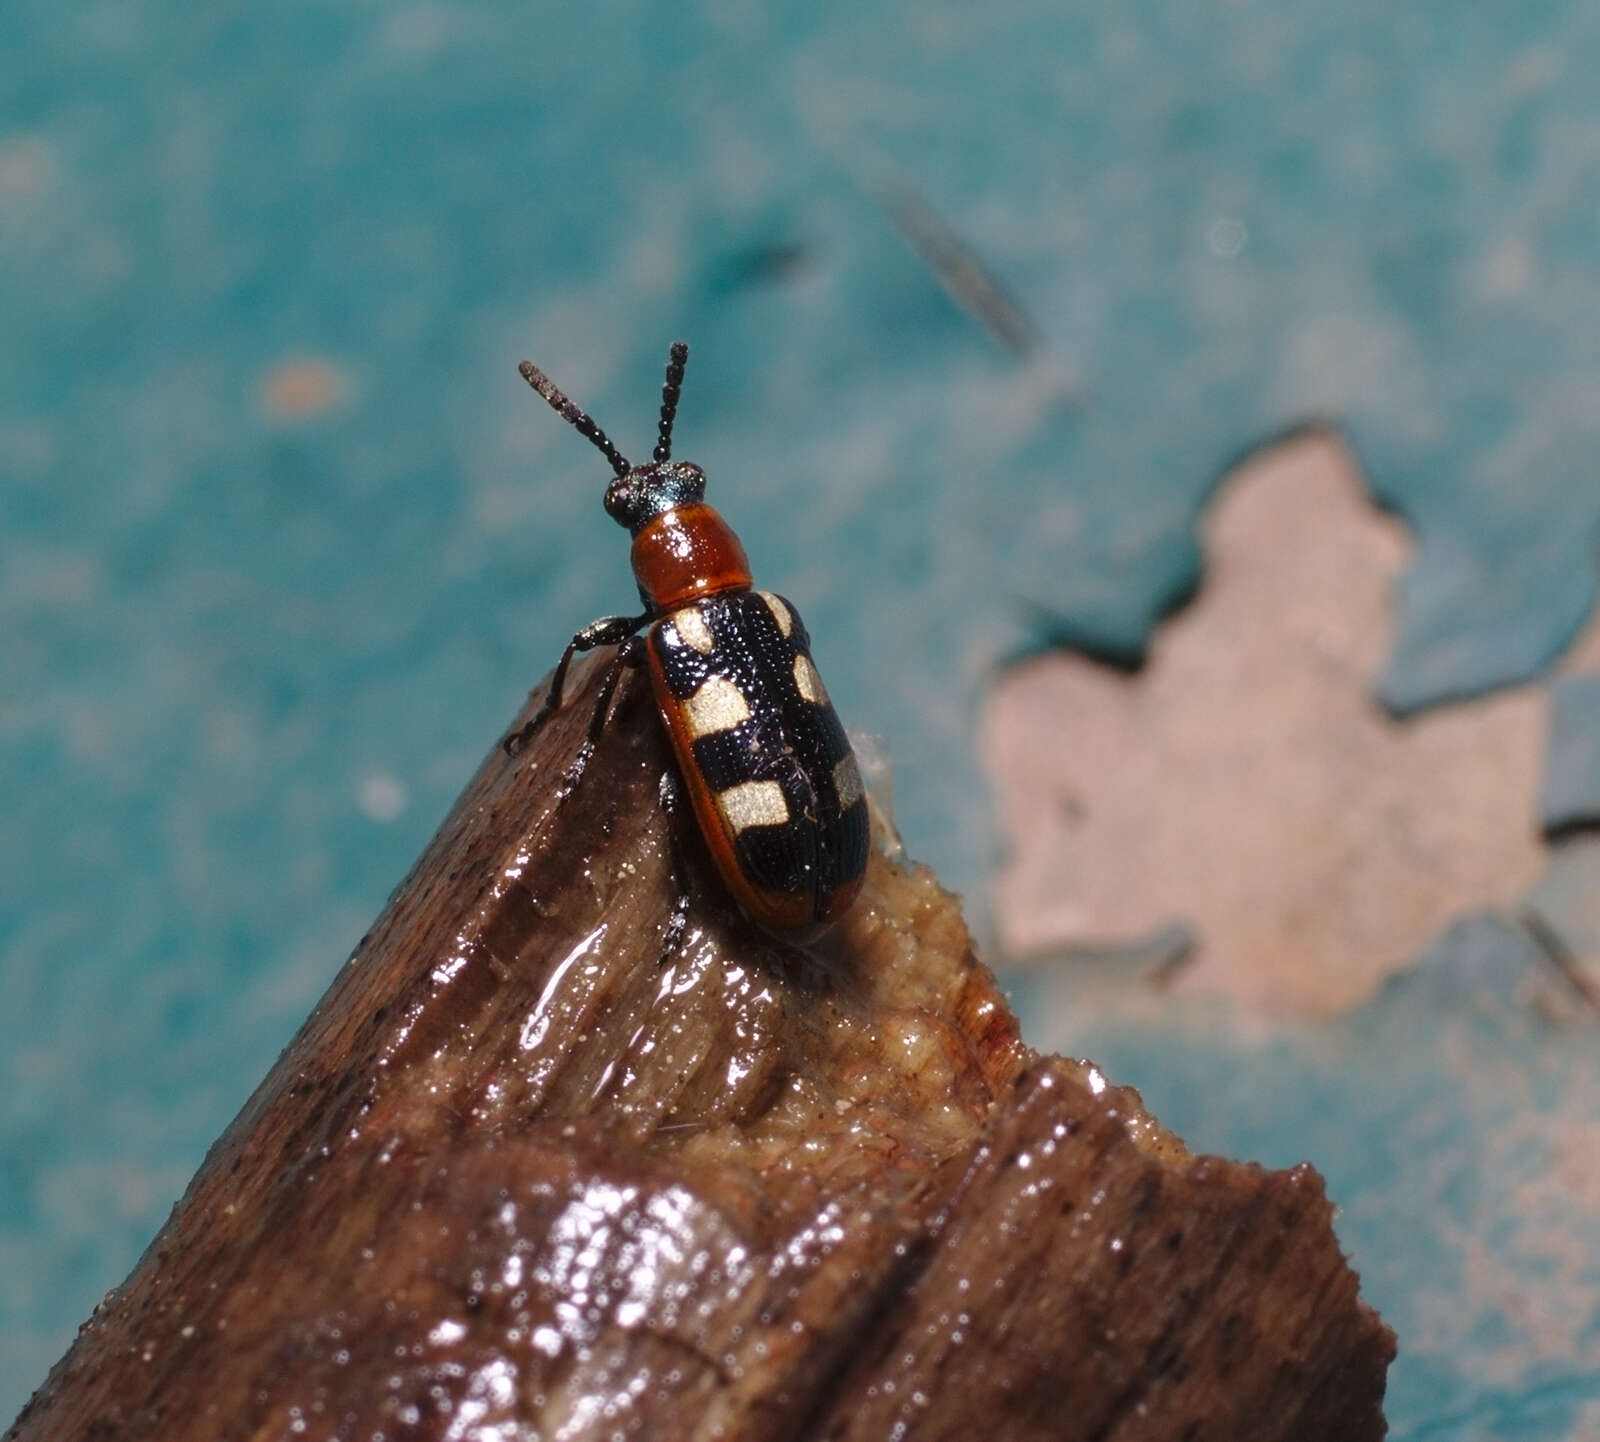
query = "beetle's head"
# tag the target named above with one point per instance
(643, 493)
(639, 493)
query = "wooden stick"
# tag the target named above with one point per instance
(521, 1171)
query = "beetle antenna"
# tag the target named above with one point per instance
(677, 358)
(585, 426)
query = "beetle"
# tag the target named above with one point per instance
(769, 770)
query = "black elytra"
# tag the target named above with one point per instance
(767, 765)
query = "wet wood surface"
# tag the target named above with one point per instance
(525, 1173)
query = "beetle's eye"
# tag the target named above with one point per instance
(622, 501)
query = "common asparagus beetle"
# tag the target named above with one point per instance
(769, 770)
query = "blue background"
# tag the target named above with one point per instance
(250, 657)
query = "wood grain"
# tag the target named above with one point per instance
(522, 1175)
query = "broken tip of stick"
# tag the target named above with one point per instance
(520, 1169)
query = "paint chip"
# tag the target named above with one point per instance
(1246, 782)
(302, 388)
(382, 797)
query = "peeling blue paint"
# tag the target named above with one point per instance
(228, 631)
(1571, 795)
(1453, 1121)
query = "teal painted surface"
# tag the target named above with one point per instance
(1567, 900)
(1572, 766)
(1456, 1129)
(249, 661)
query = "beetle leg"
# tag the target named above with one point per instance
(671, 800)
(629, 654)
(607, 631)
